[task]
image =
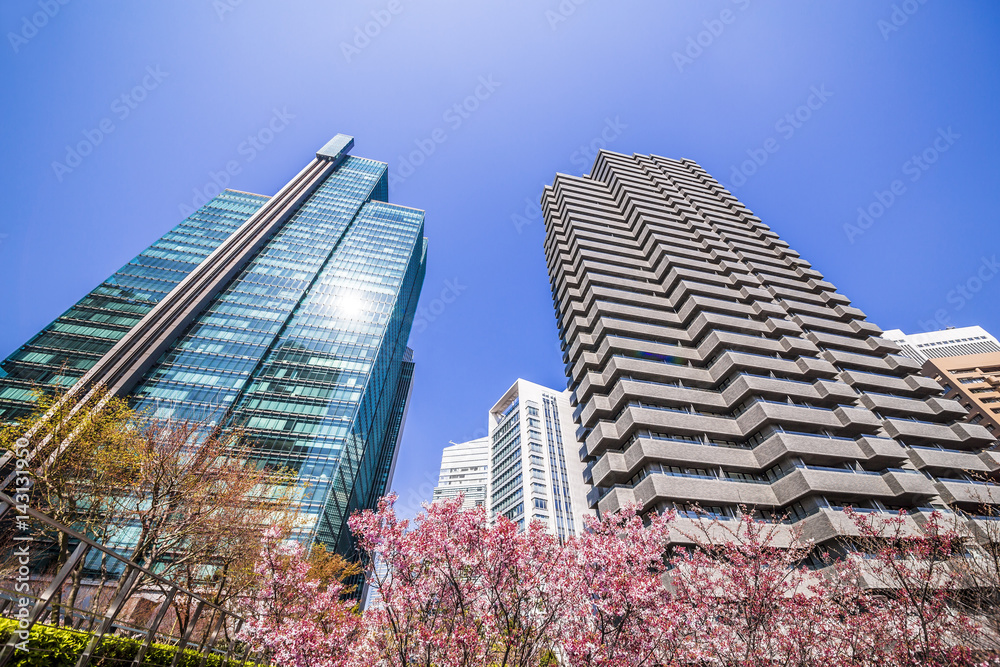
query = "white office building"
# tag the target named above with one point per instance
(465, 469)
(951, 342)
(535, 468)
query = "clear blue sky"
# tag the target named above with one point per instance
(883, 87)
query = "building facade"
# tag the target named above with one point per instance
(285, 316)
(465, 469)
(974, 381)
(951, 342)
(712, 369)
(535, 468)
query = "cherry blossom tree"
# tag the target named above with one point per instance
(455, 589)
(301, 620)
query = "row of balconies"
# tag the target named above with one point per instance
(741, 388)
(805, 369)
(895, 487)
(843, 420)
(616, 467)
(710, 347)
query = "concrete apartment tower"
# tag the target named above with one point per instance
(535, 468)
(465, 469)
(709, 364)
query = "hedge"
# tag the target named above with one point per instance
(58, 647)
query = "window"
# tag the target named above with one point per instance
(976, 419)
(541, 504)
(537, 474)
(972, 380)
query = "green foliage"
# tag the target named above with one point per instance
(56, 647)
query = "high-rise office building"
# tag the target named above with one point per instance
(953, 342)
(710, 365)
(465, 469)
(285, 316)
(535, 468)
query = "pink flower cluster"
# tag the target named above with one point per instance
(457, 590)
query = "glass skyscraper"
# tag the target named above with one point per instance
(285, 316)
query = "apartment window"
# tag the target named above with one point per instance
(541, 504)
(976, 419)
(537, 474)
(946, 387)
(972, 380)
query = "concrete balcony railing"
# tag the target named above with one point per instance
(618, 467)
(917, 432)
(613, 500)
(819, 391)
(916, 385)
(931, 408)
(991, 458)
(812, 449)
(961, 491)
(909, 483)
(973, 435)
(953, 459)
(704, 491)
(840, 483)
(832, 523)
(882, 452)
(611, 434)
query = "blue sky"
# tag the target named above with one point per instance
(808, 111)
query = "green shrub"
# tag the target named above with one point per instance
(58, 647)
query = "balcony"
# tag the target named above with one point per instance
(616, 467)
(882, 451)
(813, 449)
(862, 485)
(909, 483)
(963, 491)
(831, 523)
(954, 459)
(701, 490)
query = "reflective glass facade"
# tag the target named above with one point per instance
(69, 346)
(304, 349)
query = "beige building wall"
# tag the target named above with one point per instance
(974, 381)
